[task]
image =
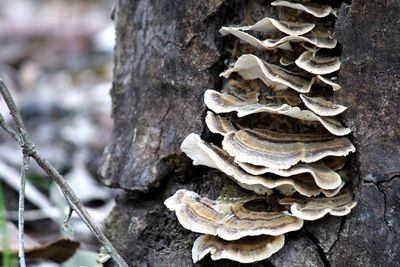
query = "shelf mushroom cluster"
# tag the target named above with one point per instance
(262, 151)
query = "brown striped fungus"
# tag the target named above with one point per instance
(282, 141)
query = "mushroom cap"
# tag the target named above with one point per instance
(199, 215)
(224, 103)
(253, 41)
(317, 38)
(244, 250)
(220, 125)
(260, 149)
(328, 81)
(303, 183)
(321, 106)
(324, 177)
(203, 153)
(317, 64)
(311, 209)
(317, 10)
(270, 25)
(251, 67)
(288, 27)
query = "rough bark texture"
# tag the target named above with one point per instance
(370, 74)
(164, 60)
(168, 52)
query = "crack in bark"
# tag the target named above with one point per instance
(382, 191)
(378, 185)
(395, 176)
(339, 232)
(320, 250)
(385, 205)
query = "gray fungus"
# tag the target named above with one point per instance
(299, 165)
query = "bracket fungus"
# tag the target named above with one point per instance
(315, 64)
(224, 103)
(317, 38)
(203, 153)
(317, 10)
(324, 177)
(315, 208)
(321, 106)
(260, 149)
(282, 143)
(202, 215)
(251, 67)
(330, 82)
(245, 250)
(220, 125)
(270, 25)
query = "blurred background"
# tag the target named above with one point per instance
(56, 58)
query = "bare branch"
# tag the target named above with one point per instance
(21, 208)
(10, 130)
(12, 107)
(29, 149)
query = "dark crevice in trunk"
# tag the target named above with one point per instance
(320, 250)
(338, 234)
(379, 187)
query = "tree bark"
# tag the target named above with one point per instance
(168, 53)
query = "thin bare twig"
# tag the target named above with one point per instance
(10, 130)
(30, 150)
(21, 208)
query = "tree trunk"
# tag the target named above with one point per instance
(168, 53)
